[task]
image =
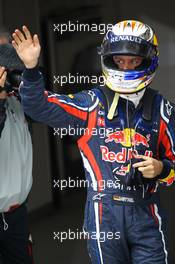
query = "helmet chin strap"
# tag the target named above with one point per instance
(113, 107)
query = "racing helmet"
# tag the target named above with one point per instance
(133, 38)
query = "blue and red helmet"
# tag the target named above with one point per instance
(133, 38)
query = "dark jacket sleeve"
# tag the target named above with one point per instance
(55, 110)
(2, 114)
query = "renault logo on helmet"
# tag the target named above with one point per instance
(128, 38)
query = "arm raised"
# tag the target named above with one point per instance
(27, 47)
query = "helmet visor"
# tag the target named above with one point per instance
(128, 47)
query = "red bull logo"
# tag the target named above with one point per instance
(117, 137)
(121, 156)
(140, 139)
(128, 138)
(123, 170)
(170, 181)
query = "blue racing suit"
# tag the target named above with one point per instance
(123, 217)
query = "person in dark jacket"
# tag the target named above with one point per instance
(125, 165)
(15, 167)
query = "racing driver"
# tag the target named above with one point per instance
(136, 153)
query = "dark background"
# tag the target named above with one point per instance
(50, 209)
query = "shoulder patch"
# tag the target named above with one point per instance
(169, 108)
(92, 95)
(166, 109)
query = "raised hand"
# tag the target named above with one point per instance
(27, 47)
